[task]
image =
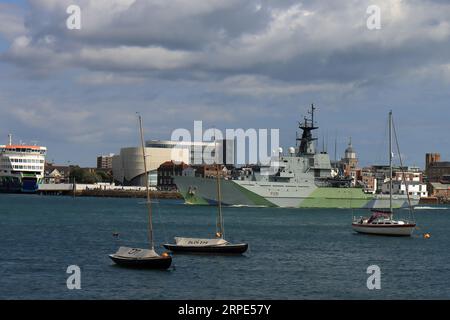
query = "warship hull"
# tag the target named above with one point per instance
(201, 191)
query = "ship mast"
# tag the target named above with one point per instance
(306, 141)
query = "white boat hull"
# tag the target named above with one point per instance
(386, 230)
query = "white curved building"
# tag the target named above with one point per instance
(128, 166)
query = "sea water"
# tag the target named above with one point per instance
(293, 253)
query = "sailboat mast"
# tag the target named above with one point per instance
(220, 227)
(335, 151)
(390, 161)
(219, 205)
(149, 206)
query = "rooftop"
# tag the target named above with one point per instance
(439, 185)
(442, 164)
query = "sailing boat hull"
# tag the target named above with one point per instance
(143, 263)
(219, 249)
(404, 230)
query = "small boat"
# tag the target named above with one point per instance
(137, 257)
(194, 245)
(141, 258)
(217, 245)
(383, 222)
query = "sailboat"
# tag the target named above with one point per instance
(137, 257)
(218, 245)
(382, 222)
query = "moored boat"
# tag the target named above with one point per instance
(217, 245)
(194, 245)
(381, 222)
(137, 257)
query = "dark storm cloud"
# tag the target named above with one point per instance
(291, 41)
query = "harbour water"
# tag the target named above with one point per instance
(294, 253)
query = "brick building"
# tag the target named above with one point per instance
(167, 171)
(436, 169)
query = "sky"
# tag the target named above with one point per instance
(230, 63)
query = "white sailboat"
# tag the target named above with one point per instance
(217, 245)
(382, 222)
(137, 257)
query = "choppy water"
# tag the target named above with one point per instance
(294, 253)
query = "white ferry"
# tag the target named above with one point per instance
(21, 167)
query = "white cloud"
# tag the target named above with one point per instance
(260, 86)
(135, 58)
(108, 78)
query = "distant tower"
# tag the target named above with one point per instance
(10, 139)
(431, 158)
(350, 162)
(350, 155)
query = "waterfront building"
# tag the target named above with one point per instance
(105, 161)
(128, 165)
(166, 173)
(440, 191)
(368, 180)
(436, 169)
(411, 174)
(382, 174)
(198, 149)
(415, 188)
(210, 171)
(55, 174)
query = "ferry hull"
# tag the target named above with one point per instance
(9, 184)
(201, 191)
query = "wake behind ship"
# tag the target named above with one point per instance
(303, 180)
(21, 167)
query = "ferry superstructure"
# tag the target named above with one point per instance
(21, 167)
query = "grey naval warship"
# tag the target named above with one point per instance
(303, 180)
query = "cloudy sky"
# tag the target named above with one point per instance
(230, 63)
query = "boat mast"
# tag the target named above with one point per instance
(219, 222)
(390, 163)
(149, 206)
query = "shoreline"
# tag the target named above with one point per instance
(114, 194)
